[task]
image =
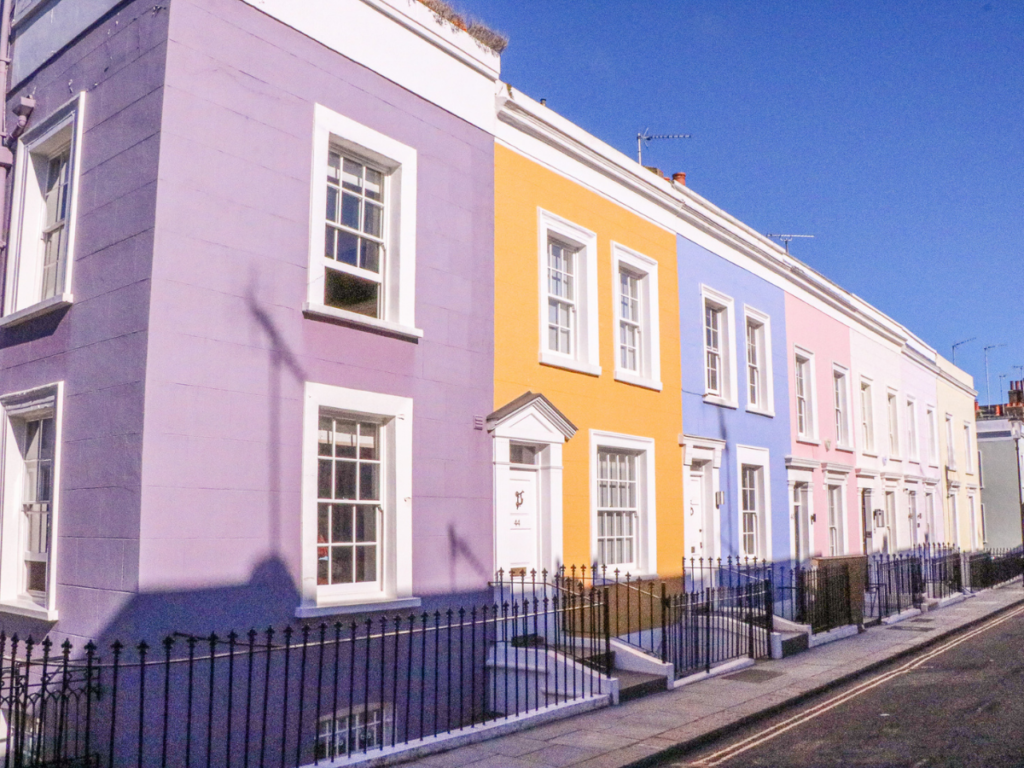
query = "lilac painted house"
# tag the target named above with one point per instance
(246, 345)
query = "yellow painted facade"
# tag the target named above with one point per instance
(961, 475)
(522, 187)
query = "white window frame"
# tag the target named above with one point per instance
(646, 558)
(867, 416)
(766, 388)
(645, 269)
(809, 434)
(585, 357)
(933, 435)
(20, 407)
(754, 456)
(929, 515)
(968, 449)
(913, 438)
(394, 588)
(950, 443)
(22, 298)
(841, 410)
(339, 722)
(399, 163)
(836, 518)
(892, 418)
(725, 306)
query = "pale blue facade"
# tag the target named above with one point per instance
(736, 426)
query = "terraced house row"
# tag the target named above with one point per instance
(309, 317)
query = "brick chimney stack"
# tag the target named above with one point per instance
(679, 178)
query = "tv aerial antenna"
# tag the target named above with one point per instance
(787, 239)
(645, 138)
(960, 344)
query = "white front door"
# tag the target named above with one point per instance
(520, 523)
(693, 531)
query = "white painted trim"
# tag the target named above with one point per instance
(647, 535)
(810, 436)
(45, 307)
(399, 162)
(727, 330)
(750, 313)
(396, 537)
(354, 318)
(757, 457)
(649, 375)
(844, 374)
(586, 345)
(23, 282)
(12, 598)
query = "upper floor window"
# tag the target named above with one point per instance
(568, 291)
(362, 261)
(867, 422)
(894, 421)
(638, 345)
(950, 446)
(840, 398)
(719, 370)
(912, 446)
(759, 362)
(968, 449)
(933, 438)
(43, 215)
(561, 298)
(804, 388)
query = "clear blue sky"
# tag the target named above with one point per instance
(892, 131)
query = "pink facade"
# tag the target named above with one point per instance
(818, 351)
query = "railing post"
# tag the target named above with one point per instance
(750, 619)
(607, 632)
(664, 623)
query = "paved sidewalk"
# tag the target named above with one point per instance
(616, 737)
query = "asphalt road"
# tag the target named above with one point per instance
(958, 703)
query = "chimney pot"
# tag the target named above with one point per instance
(679, 178)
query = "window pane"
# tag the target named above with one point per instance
(341, 524)
(344, 439)
(352, 293)
(371, 256)
(373, 219)
(334, 167)
(323, 528)
(341, 565)
(374, 184)
(350, 211)
(324, 436)
(347, 249)
(352, 175)
(366, 563)
(35, 577)
(345, 480)
(366, 523)
(332, 204)
(369, 481)
(323, 485)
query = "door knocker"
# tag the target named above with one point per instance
(519, 499)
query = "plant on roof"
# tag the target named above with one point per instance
(476, 29)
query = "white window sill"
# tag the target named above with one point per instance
(25, 607)
(869, 454)
(845, 448)
(719, 400)
(354, 318)
(808, 441)
(626, 377)
(762, 412)
(558, 361)
(365, 605)
(43, 307)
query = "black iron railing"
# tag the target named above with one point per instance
(941, 569)
(712, 625)
(990, 568)
(895, 583)
(298, 696)
(685, 621)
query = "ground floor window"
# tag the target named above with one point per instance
(835, 517)
(366, 727)
(617, 507)
(750, 485)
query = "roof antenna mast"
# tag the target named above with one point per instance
(787, 239)
(960, 344)
(645, 138)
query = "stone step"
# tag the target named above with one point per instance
(635, 685)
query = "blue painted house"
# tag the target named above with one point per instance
(735, 409)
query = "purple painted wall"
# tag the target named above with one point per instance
(230, 349)
(98, 346)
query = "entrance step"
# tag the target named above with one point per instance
(635, 685)
(794, 643)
